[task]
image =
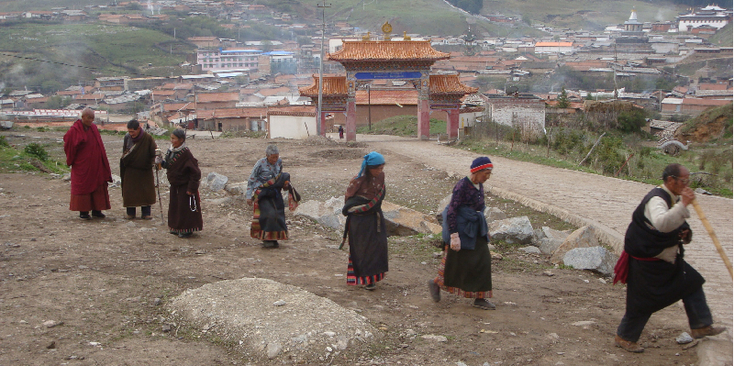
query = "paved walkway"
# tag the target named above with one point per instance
(607, 203)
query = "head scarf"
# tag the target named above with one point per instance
(372, 159)
(481, 163)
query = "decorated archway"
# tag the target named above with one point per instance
(406, 60)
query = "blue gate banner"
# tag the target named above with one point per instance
(388, 75)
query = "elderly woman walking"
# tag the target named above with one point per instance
(264, 187)
(365, 225)
(467, 265)
(184, 208)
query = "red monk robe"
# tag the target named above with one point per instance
(90, 170)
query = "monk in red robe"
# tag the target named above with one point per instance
(90, 170)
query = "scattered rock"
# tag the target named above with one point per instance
(327, 213)
(52, 323)
(165, 328)
(51, 345)
(274, 349)
(530, 250)
(549, 239)
(582, 238)
(548, 273)
(684, 338)
(437, 338)
(702, 191)
(157, 301)
(235, 308)
(585, 324)
(493, 214)
(597, 259)
(236, 189)
(216, 181)
(279, 303)
(402, 221)
(513, 230)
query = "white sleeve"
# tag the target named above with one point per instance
(663, 219)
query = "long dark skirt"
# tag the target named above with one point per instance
(467, 273)
(271, 220)
(367, 249)
(181, 219)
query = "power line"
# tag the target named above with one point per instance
(70, 65)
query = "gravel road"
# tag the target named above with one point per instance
(605, 202)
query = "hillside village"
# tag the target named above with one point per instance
(233, 85)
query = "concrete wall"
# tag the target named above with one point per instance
(524, 113)
(291, 127)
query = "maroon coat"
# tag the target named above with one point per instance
(86, 155)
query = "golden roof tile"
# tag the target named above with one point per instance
(333, 85)
(448, 84)
(387, 51)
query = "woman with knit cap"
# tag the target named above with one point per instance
(466, 269)
(365, 225)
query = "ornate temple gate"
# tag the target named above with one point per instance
(405, 60)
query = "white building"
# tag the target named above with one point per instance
(711, 15)
(223, 60)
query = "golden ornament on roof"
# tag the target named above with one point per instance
(386, 28)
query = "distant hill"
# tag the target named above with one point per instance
(439, 18)
(25, 5)
(50, 57)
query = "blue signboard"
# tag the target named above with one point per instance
(388, 75)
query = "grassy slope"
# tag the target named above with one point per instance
(23, 5)
(100, 50)
(723, 37)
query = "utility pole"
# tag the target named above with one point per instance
(323, 6)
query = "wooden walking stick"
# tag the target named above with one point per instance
(710, 230)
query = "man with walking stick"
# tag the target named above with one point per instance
(652, 262)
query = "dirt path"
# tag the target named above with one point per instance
(109, 280)
(583, 198)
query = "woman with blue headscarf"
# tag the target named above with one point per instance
(365, 225)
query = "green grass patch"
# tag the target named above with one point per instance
(626, 156)
(406, 125)
(14, 160)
